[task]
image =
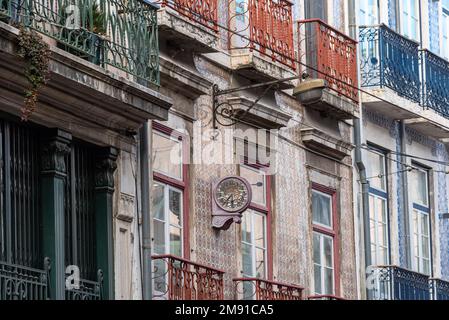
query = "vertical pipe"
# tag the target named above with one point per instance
(405, 196)
(145, 205)
(361, 168)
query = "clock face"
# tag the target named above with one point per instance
(233, 194)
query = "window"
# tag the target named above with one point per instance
(255, 224)
(368, 12)
(418, 185)
(410, 19)
(167, 219)
(445, 22)
(169, 205)
(254, 245)
(167, 155)
(378, 207)
(168, 192)
(324, 238)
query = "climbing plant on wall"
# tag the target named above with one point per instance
(36, 54)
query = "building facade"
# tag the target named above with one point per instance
(403, 70)
(333, 112)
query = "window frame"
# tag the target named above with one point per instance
(263, 210)
(410, 17)
(376, 12)
(425, 210)
(329, 232)
(445, 32)
(180, 185)
(382, 194)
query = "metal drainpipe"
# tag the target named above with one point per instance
(145, 205)
(405, 196)
(360, 165)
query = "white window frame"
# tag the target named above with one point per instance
(166, 221)
(251, 213)
(416, 210)
(168, 174)
(445, 33)
(366, 9)
(322, 267)
(329, 197)
(419, 235)
(407, 17)
(375, 222)
(264, 175)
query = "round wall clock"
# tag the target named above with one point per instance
(233, 194)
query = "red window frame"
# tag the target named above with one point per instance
(264, 210)
(330, 232)
(179, 184)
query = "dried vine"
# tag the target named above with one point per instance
(36, 52)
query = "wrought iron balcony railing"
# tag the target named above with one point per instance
(331, 55)
(395, 283)
(115, 33)
(388, 59)
(204, 12)
(259, 289)
(436, 83)
(87, 290)
(439, 289)
(324, 297)
(266, 27)
(180, 279)
(23, 283)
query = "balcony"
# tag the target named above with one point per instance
(260, 40)
(180, 279)
(389, 60)
(330, 83)
(324, 297)
(439, 289)
(436, 84)
(259, 289)
(114, 35)
(104, 69)
(395, 283)
(190, 24)
(87, 290)
(390, 67)
(23, 283)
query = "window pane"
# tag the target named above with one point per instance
(167, 155)
(425, 247)
(418, 187)
(175, 204)
(255, 177)
(328, 251)
(316, 248)
(259, 230)
(158, 206)
(328, 281)
(260, 263)
(317, 279)
(321, 208)
(426, 267)
(175, 241)
(376, 168)
(383, 256)
(424, 224)
(381, 210)
(159, 237)
(246, 227)
(247, 260)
